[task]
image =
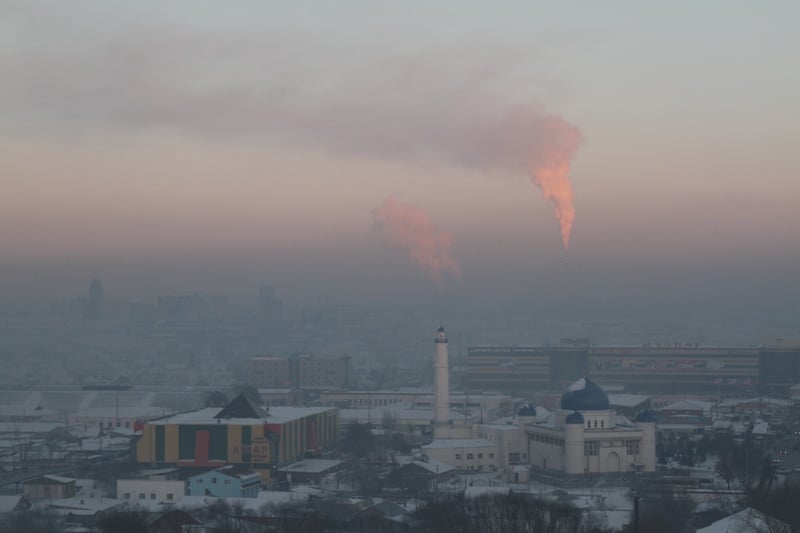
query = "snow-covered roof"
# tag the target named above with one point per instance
(311, 466)
(9, 503)
(459, 443)
(746, 521)
(121, 412)
(689, 405)
(84, 506)
(627, 400)
(433, 466)
(276, 415)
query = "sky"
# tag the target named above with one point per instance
(199, 145)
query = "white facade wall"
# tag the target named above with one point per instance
(467, 457)
(580, 448)
(147, 490)
(547, 456)
(511, 442)
(441, 392)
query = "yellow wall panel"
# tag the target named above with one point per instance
(171, 443)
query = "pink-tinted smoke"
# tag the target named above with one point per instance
(540, 144)
(411, 228)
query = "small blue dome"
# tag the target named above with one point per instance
(584, 395)
(527, 410)
(574, 418)
(646, 416)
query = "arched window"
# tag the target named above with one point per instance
(602, 423)
(595, 424)
(588, 424)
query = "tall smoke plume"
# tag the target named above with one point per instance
(411, 228)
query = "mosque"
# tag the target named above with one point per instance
(583, 436)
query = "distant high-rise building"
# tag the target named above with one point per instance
(94, 308)
(299, 372)
(269, 307)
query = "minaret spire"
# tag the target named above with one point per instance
(441, 403)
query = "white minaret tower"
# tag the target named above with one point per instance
(441, 402)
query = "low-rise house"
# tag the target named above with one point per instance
(150, 490)
(420, 476)
(233, 481)
(174, 521)
(464, 454)
(49, 487)
(85, 511)
(310, 470)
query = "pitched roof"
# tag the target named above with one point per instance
(747, 520)
(17, 502)
(241, 407)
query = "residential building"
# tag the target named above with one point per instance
(49, 487)
(150, 490)
(233, 481)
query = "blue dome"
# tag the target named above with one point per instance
(584, 395)
(527, 410)
(574, 418)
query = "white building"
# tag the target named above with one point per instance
(464, 454)
(149, 491)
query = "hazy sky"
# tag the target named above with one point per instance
(217, 145)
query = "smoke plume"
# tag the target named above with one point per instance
(407, 107)
(411, 228)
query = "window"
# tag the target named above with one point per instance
(632, 447)
(227, 481)
(152, 495)
(141, 495)
(491, 455)
(127, 424)
(591, 448)
(588, 424)
(602, 423)
(198, 481)
(513, 457)
(470, 456)
(480, 456)
(169, 496)
(458, 457)
(595, 424)
(213, 481)
(127, 496)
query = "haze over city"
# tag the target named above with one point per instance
(399, 266)
(212, 148)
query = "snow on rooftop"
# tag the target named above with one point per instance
(276, 415)
(578, 385)
(746, 521)
(312, 466)
(459, 443)
(627, 400)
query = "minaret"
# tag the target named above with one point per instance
(441, 402)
